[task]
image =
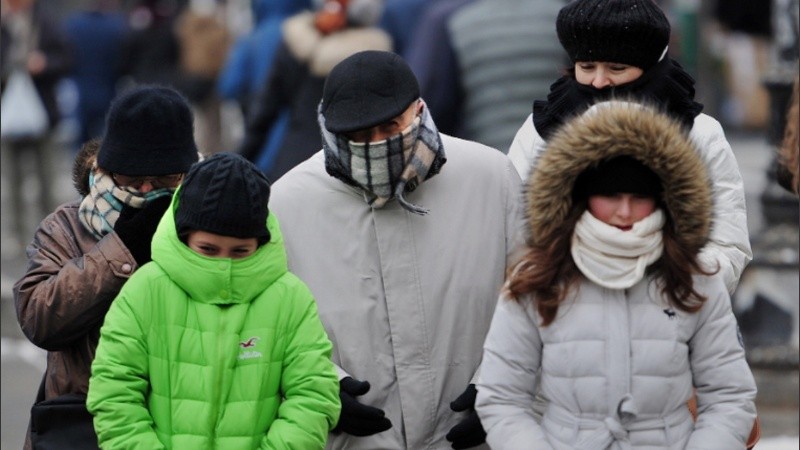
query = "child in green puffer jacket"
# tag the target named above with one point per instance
(215, 344)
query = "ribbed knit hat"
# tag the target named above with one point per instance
(622, 174)
(633, 32)
(149, 131)
(366, 89)
(227, 195)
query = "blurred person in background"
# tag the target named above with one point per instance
(619, 49)
(83, 252)
(313, 42)
(400, 18)
(248, 64)
(203, 43)
(151, 51)
(96, 33)
(745, 35)
(494, 57)
(250, 58)
(32, 42)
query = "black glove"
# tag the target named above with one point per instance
(358, 419)
(469, 432)
(136, 227)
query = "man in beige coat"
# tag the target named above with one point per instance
(403, 235)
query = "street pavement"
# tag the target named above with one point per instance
(23, 363)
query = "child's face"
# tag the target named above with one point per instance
(219, 246)
(621, 210)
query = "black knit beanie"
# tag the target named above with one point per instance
(227, 195)
(621, 174)
(149, 131)
(633, 32)
(366, 89)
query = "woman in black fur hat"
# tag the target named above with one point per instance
(619, 49)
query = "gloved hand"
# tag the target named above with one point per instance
(136, 227)
(358, 419)
(469, 432)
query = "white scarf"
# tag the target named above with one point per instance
(614, 258)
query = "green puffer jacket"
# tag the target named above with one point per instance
(213, 353)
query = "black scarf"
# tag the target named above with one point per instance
(666, 85)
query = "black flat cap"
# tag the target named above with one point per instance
(366, 89)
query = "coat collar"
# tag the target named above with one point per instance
(218, 280)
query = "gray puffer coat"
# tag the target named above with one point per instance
(618, 366)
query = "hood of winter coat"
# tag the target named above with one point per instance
(617, 128)
(83, 164)
(218, 280)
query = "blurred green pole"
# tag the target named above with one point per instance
(686, 14)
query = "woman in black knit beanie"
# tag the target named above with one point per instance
(619, 49)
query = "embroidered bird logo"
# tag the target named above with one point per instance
(670, 313)
(249, 343)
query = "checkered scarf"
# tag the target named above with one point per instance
(100, 209)
(386, 169)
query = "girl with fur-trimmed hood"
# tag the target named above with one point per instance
(610, 311)
(619, 49)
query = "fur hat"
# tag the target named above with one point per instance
(609, 130)
(633, 32)
(149, 131)
(367, 89)
(227, 195)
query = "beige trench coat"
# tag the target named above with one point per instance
(406, 299)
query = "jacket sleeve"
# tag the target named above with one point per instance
(119, 383)
(309, 383)
(65, 294)
(726, 389)
(279, 90)
(523, 151)
(511, 357)
(729, 244)
(515, 217)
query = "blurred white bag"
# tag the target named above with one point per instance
(22, 114)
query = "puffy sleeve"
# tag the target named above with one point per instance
(310, 384)
(525, 148)
(66, 290)
(120, 374)
(729, 242)
(726, 389)
(511, 358)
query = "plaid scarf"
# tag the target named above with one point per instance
(386, 169)
(100, 209)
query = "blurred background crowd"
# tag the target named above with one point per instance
(253, 71)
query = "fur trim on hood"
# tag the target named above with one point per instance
(83, 164)
(612, 129)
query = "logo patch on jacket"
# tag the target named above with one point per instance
(248, 350)
(670, 313)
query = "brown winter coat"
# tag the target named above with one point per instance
(69, 284)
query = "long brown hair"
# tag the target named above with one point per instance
(548, 272)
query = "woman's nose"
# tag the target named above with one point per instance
(624, 208)
(601, 80)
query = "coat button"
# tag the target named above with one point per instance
(126, 268)
(223, 293)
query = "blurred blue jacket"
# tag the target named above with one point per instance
(250, 60)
